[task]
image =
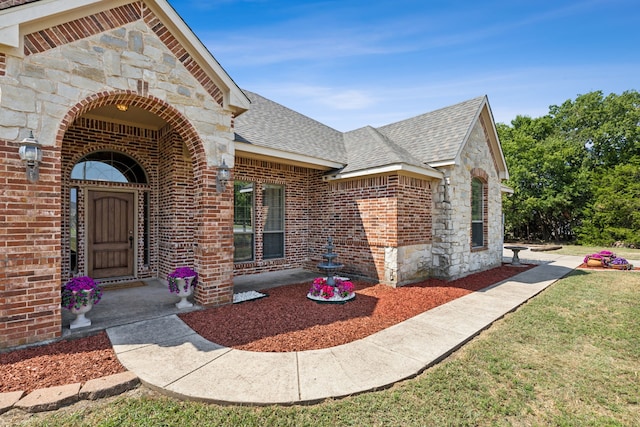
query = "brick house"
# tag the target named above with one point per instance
(137, 121)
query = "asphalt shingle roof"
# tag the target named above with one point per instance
(271, 125)
(419, 141)
(436, 136)
(368, 148)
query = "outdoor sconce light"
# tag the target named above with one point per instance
(31, 154)
(224, 174)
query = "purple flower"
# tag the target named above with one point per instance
(619, 261)
(181, 273)
(80, 291)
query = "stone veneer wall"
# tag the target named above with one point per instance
(137, 60)
(453, 255)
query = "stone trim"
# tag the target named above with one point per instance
(49, 38)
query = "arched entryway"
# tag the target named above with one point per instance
(137, 193)
(109, 207)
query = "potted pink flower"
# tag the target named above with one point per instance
(320, 291)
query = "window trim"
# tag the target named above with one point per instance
(283, 221)
(483, 213)
(241, 182)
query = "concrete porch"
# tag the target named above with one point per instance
(123, 306)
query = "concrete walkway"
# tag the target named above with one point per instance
(170, 357)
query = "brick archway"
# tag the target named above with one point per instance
(149, 103)
(213, 211)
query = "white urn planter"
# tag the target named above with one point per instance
(184, 291)
(81, 320)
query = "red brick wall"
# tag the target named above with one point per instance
(296, 182)
(364, 216)
(176, 218)
(29, 249)
(415, 207)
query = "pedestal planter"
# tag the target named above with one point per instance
(81, 320)
(622, 266)
(79, 295)
(184, 291)
(181, 282)
(335, 299)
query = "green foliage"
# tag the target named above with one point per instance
(575, 171)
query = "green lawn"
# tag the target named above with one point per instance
(571, 356)
(632, 254)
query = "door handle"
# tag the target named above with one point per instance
(130, 242)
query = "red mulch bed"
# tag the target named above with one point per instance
(60, 363)
(284, 321)
(287, 321)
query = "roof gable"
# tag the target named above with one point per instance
(36, 26)
(436, 137)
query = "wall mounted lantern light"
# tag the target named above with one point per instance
(224, 174)
(31, 154)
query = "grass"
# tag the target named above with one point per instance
(571, 356)
(631, 254)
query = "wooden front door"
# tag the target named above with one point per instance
(110, 234)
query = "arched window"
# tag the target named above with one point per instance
(477, 213)
(109, 166)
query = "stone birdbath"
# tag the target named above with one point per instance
(516, 249)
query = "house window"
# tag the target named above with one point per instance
(273, 233)
(243, 233)
(146, 234)
(477, 213)
(109, 166)
(73, 229)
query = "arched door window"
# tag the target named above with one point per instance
(109, 166)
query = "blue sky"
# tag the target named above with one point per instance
(353, 63)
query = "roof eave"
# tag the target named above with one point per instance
(286, 157)
(501, 163)
(397, 167)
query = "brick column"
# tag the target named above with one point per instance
(214, 239)
(29, 249)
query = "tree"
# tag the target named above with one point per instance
(615, 213)
(574, 170)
